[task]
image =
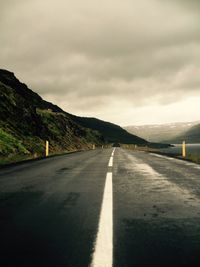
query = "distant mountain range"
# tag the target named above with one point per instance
(191, 136)
(26, 121)
(168, 133)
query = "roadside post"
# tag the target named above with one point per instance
(184, 149)
(94, 146)
(47, 149)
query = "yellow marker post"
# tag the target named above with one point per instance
(183, 149)
(47, 149)
(94, 146)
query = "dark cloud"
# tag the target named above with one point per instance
(86, 56)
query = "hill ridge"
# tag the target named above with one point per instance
(166, 132)
(28, 120)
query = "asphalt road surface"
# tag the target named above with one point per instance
(100, 208)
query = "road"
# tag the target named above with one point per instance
(100, 208)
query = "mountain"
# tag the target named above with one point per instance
(112, 133)
(191, 136)
(26, 121)
(161, 132)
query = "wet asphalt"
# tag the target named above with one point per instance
(49, 210)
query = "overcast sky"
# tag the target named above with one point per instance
(125, 61)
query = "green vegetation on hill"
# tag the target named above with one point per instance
(10, 145)
(11, 149)
(27, 121)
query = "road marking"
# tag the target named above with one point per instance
(112, 155)
(110, 164)
(103, 254)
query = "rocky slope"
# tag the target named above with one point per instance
(26, 121)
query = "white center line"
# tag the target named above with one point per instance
(110, 164)
(112, 155)
(103, 253)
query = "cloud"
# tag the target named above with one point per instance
(87, 55)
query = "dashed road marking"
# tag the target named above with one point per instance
(103, 253)
(110, 164)
(112, 155)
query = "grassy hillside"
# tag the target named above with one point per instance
(9, 144)
(27, 121)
